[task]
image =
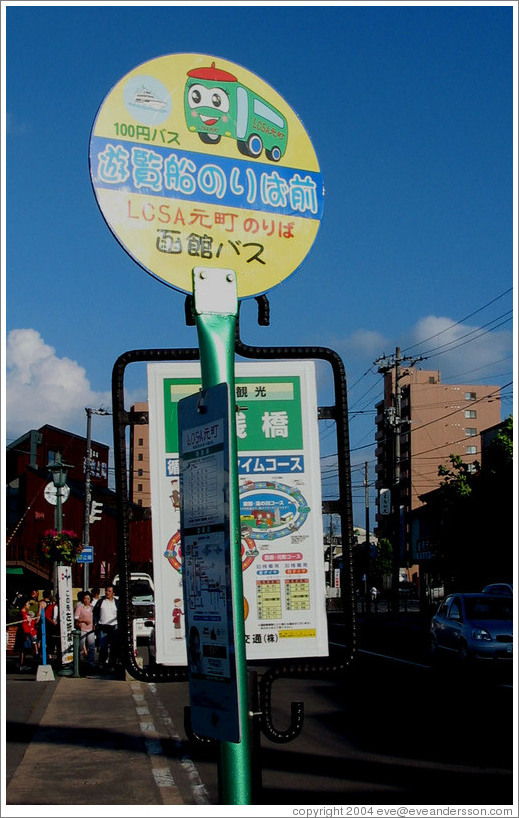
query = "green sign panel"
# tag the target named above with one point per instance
(268, 416)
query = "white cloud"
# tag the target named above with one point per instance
(44, 388)
(365, 342)
(465, 353)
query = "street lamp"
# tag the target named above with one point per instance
(88, 493)
(58, 470)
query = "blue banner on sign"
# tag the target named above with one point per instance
(280, 464)
(117, 164)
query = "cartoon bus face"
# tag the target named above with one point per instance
(217, 105)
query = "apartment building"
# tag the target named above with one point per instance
(429, 421)
(140, 492)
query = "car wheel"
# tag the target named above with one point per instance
(434, 653)
(463, 656)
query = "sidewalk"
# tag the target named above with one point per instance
(94, 743)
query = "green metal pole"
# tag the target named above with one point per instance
(216, 310)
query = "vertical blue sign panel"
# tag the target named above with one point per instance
(203, 432)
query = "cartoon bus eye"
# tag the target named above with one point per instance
(219, 99)
(198, 96)
(195, 95)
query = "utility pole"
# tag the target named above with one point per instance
(394, 420)
(366, 498)
(88, 495)
(367, 545)
(395, 579)
(331, 556)
(88, 487)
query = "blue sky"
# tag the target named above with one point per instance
(410, 112)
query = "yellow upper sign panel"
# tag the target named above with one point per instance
(197, 162)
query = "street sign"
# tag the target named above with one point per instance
(66, 612)
(194, 161)
(205, 525)
(384, 501)
(87, 554)
(51, 493)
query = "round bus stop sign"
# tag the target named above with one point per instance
(195, 161)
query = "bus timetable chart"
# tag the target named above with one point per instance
(268, 594)
(297, 594)
(203, 490)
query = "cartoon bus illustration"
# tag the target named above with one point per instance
(216, 105)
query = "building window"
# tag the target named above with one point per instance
(471, 413)
(471, 468)
(141, 441)
(139, 472)
(140, 456)
(139, 486)
(470, 396)
(471, 450)
(470, 431)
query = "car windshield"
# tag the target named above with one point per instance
(140, 588)
(482, 607)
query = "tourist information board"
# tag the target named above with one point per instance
(280, 508)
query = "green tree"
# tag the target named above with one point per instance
(499, 455)
(382, 563)
(458, 480)
(475, 511)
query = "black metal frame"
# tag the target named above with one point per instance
(342, 507)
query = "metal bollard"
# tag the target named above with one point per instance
(75, 648)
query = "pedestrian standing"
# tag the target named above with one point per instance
(51, 626)
(106, 613)
(27, 636)
(84, 621)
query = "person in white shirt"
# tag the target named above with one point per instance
(106, 612)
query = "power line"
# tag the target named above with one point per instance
(460, 321)
(428, 353)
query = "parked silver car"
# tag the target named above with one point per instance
(473, 626)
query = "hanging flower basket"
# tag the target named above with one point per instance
(60, 546)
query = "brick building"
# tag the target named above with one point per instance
(29, 514)
(140, 491)
(436, 420)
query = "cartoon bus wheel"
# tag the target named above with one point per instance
(252, 147)
(210, 138)
(274, 155)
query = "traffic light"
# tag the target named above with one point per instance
(96, 511)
